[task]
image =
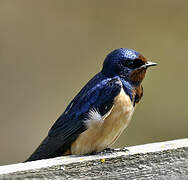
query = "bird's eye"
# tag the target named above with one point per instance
(129, 63)
(133, 64)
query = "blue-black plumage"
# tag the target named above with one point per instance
(99, 113)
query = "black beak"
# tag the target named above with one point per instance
(148, 64)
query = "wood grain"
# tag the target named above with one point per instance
(164, 160)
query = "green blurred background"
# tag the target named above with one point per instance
(50, 49)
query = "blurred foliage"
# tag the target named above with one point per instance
(50, 49)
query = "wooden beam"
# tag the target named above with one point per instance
(164, 160)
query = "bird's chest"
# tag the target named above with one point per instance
(119, 117)
(103, 132)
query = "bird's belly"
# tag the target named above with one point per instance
(99, 135)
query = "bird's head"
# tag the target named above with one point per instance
(128, 64)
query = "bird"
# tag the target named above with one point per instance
(100, 112)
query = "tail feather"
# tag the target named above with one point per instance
(49, 148)
(54, 146)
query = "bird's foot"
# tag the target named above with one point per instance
(124, 149)
(108, 150)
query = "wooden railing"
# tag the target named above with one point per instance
(164, 160)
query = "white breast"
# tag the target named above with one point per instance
(102, 132)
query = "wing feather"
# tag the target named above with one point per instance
(72, 122)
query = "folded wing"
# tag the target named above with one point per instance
(72, 122)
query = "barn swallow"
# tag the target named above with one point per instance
(100, 112)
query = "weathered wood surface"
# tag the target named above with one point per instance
(165, 160)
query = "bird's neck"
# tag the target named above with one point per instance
(136, 77)
(135, 92)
